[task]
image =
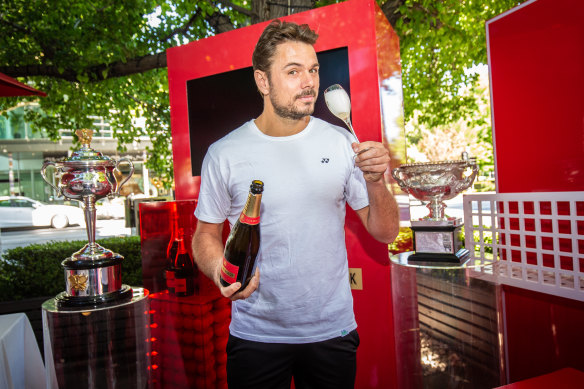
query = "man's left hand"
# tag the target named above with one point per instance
(372, 158)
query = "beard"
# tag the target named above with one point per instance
(290, 111)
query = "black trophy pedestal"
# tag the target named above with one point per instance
(460, 257)
(438, 241)
(65, 302)
(103, 346)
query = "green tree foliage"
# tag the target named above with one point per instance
(104, 58)
(107, 58)
(439, 42)
(448, 141)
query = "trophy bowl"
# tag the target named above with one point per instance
(434, 182)
(92, 274)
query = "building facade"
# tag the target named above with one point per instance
(24, 149)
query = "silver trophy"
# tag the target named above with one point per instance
(92, 274)
(437, 238)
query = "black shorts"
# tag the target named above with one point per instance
(328, 364)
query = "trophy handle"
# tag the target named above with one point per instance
(397, 174)
(463, 185)
(43, 174)
(119, 186)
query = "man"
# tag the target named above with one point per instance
(295, 318)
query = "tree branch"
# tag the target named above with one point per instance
(48, 50)
(219, 22)
(183, 29)
(95, 73)
(13, 25)
(391, 10)
(437, 24)
(138, 101)
(234, 7)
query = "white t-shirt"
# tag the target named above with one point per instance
(304, 293)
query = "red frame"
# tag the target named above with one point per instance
(373, 51)
(537, 89)
(232, 50)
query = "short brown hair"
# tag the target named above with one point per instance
(276, 33)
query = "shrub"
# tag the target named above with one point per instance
(403, 242)
(487, 240)
(36, 271)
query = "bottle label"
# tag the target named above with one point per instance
(170, 280)
(180, 285)
(249, 220)
(229, 271)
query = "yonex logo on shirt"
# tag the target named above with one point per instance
(324, 160)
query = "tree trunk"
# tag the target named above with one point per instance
(391, 10)
(271, 9)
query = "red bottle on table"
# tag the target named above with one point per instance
(181, 272)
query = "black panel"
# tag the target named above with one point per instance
(220, 103)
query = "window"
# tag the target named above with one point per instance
(23, 203)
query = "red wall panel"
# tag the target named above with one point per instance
(536, 60)
(373, 55)
(543, 333)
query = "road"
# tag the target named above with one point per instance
(116, 227)
(24, 237)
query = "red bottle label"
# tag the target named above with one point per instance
(170, 280)
(180, 285)
(229, 271)
(249, 220)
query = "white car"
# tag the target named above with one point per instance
(19, 211)
(110, 208)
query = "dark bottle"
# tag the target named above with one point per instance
(243, 243)
(172, 247)
(181, 272)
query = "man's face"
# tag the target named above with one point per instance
(294, 80)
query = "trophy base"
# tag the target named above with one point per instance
(73, 263)
(459, 258)
(65, 301)
(89, 279)
(438, 241)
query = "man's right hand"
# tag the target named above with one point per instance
(231, 291)
(208, 250)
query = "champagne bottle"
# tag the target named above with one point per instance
(181, 273)
(243, 243)
(172, 247)
(171, 250)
